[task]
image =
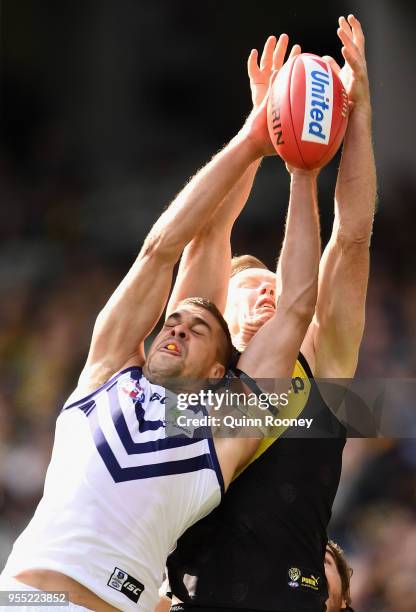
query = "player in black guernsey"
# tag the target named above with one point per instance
(265, 544)
(264, 548)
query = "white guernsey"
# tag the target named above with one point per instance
(103, 519)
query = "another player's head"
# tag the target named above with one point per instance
(194, 343)
(251, 298)
(338, 575)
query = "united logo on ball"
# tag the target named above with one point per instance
(307, 112)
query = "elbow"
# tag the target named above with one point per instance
(357, 240)
(305, 310)
(357, 237)
(302, 305)
(162, 248)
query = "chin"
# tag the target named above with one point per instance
(159, 369)
(257, 319)
(264, 315)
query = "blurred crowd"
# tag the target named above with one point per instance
(69, 231)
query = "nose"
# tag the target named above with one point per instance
(179, 331)
(267, 289)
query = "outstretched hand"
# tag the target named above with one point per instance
(353, 74)
(261, 79)
(271, 60)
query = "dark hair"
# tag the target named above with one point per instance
(344, 571)
(226, 348)
(244, 262)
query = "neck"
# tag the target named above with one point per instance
(242, 338)
(173, 383)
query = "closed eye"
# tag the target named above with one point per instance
(198, 331)
(248, 285)
(171, 321)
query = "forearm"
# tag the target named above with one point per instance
(340, 310)
(205, 266)
(299, 258)
(197, 202)
(272, 352)
(344, 268)
(356, 189)
(222, 221)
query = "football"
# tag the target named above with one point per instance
(307, 112)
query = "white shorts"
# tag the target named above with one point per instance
(10, 584)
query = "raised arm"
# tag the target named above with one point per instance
(206, 263)
(333, 341)
(272, 352)
(136, 305)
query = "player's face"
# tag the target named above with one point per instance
(251, 300)
(335, 601)
(186, 347)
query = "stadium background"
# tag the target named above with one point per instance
(107, 108)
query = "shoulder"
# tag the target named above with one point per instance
(89, 385)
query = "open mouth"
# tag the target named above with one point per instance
(172, 348)
(265, 305)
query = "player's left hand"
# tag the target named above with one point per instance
(271, 60)
(353, 74)
(261, 79)
(255, 128)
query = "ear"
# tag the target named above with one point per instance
(217, 371)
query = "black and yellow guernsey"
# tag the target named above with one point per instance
(263, 548)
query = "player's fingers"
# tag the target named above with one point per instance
(252, 65)
(296, 50)
(346, 39)
(280, 51)
(357, 32)
(351, 59)
(335, 67)
(267, 55)
(344, 25)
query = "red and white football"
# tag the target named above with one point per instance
(307, 112)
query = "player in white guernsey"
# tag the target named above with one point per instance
(119, 491)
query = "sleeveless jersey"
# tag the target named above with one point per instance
(118, 493)
(263, 548)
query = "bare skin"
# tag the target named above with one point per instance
(335, 601)
(48, 580)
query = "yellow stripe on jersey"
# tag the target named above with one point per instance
(296, 404)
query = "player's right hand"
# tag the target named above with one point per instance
(353, 74)
(272, 59)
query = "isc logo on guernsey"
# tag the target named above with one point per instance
(318, 102)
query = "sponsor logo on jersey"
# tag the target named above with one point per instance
(319, 100)
(294, 575)
(133, 390)
(129, 586)
(156, 397)
(310, 582)
(303, 579)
